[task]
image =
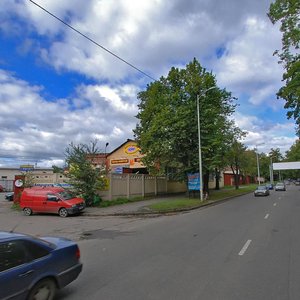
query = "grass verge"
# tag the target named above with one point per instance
(187, 203)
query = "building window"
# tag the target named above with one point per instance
(3, 177)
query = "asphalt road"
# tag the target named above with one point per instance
(245, 248)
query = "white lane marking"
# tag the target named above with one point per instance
(244, 249)
(275, 204)
(266, 216)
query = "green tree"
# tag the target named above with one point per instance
(288, 13)
(168, 132)
(249, 166)
(236, 160)
(293, 154)
(57, 169)
(85, 179)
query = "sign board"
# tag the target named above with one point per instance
(131, 149)
(117, 170)
(295, 165)
(119, 161)
(194, 182)
(26, 168)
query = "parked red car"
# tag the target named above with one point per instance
(50, 200)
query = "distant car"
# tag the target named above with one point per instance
(34, 268)
(9, 196)
(262, 190)
(280, 186)
(270, 186)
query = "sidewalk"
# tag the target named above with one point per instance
(134, 208)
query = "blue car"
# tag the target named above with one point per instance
(270, 186)
(34, 268)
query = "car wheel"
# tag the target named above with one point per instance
(43, 290)
(63, 212)
(27, 211)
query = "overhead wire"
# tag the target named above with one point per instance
(91, 40)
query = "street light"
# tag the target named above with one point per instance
(199, 140)
(105, 157)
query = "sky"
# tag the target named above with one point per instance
(57, 87)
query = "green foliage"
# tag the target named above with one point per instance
(119, 201)
(57, 169)
(85, 179)
(288, 13)
(235, 158)
(29, 179)
(168, 131)
(293, 154)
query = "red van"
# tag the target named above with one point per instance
(50, 200)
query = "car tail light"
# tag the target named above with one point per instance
(77, 253)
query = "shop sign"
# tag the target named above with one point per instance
(131, 149)
(26, 168)
(119, 161)
(117, 170)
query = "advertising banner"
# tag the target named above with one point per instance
(194, 182)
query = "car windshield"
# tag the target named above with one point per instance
(279, 183)
(65, 195)
(261, 187)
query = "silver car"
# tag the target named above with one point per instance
(280, 186)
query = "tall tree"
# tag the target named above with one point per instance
(235, 159)
(293, 154)
(288, 13)
(85, 179)
(168, 132)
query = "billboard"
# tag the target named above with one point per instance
(194, 182)
(287, 165)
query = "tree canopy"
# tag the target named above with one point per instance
(167, 130)
(288, 13)
(85, 179)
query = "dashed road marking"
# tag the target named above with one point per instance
(245, 247)
(266, 216)
(275, 204)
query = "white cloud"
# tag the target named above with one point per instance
(233, 39)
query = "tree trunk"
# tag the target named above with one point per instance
(217, 187)
(205, 182)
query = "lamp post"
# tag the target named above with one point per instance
(199, 140)
(271, 171)
(105, 157)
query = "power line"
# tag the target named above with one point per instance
(91, 40)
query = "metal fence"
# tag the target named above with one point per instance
(8, 185)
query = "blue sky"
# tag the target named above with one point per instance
(57, 87)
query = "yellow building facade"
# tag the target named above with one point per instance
(127, 158)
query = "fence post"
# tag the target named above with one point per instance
(143, 185)
(110, 186)
(128, 185)
(155, 186)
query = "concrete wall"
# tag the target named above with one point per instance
(133, 185)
